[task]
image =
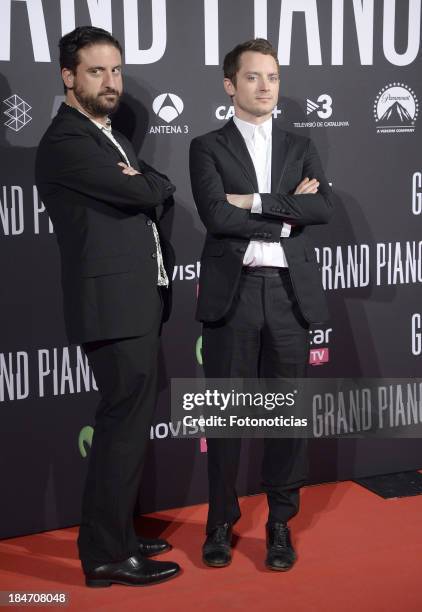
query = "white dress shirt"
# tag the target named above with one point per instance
(258, 140)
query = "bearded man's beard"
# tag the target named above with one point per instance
(98, 105)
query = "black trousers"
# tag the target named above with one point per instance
(126, 374)
(263, 335)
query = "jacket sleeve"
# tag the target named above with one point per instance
(307, 208)
(77, 162)
(219, 217)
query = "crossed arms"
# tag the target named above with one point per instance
(229, 214)
(77, 162)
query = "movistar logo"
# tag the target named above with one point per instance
(85, 440)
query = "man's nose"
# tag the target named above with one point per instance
(110, 80)
(264, 84)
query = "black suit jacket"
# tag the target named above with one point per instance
(220, 163)
(102, 219)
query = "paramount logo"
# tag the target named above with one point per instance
(396, 114)
(396, 109)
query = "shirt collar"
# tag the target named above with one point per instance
(248, 129)
(106, 128)
(100, 126)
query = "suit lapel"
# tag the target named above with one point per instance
(280, 147)
(107, 143)
(124, 144)
(233, 140)
(99, 135)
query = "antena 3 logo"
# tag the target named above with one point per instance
(168, 106)
(396, 109)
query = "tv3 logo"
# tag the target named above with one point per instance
(323, 106)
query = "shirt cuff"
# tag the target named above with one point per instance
(285, 230)
(256, 204)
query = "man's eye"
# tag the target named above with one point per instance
(251, 78)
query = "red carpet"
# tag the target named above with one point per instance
(356, 552)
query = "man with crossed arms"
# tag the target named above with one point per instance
(103, 203)
(257, 188)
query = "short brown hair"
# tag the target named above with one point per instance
(231, 62)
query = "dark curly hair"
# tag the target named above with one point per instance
(82, 37)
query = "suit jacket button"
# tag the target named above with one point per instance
(154, 255)
(149, 222)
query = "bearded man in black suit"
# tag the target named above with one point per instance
(115, 277)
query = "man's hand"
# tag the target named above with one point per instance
(128, 169)
(307, 186)
(240, 201)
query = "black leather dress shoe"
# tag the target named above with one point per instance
(151, 547)
(216, 551)
(134, 571)
(280, 552)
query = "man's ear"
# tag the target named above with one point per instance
(229, 88)
(68, 77)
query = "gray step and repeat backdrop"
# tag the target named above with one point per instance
(351, 80)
